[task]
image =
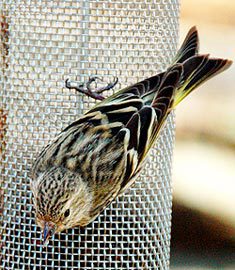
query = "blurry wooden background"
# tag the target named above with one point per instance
(203, 230)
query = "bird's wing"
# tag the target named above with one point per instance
(139, 113)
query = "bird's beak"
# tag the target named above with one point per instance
(48, 231)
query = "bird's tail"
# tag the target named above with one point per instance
(189, 47)
(195, 69)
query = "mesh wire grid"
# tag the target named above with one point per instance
(44, 42)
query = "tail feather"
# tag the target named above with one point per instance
(197, 70)
(189, 47)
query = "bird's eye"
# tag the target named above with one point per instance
(66, 213)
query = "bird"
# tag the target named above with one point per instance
(98, 156)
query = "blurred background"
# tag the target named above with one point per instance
(203, 229)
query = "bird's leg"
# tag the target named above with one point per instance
(86, 89)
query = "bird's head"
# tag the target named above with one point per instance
(62, 200)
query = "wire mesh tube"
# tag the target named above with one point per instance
(43, 43)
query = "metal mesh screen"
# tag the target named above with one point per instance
(43, 42)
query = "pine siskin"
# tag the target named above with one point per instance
(99, 156)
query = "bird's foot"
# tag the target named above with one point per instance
(86, 89)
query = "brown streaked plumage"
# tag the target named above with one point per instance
(97, 157)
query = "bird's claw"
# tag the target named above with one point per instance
(86, 89)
